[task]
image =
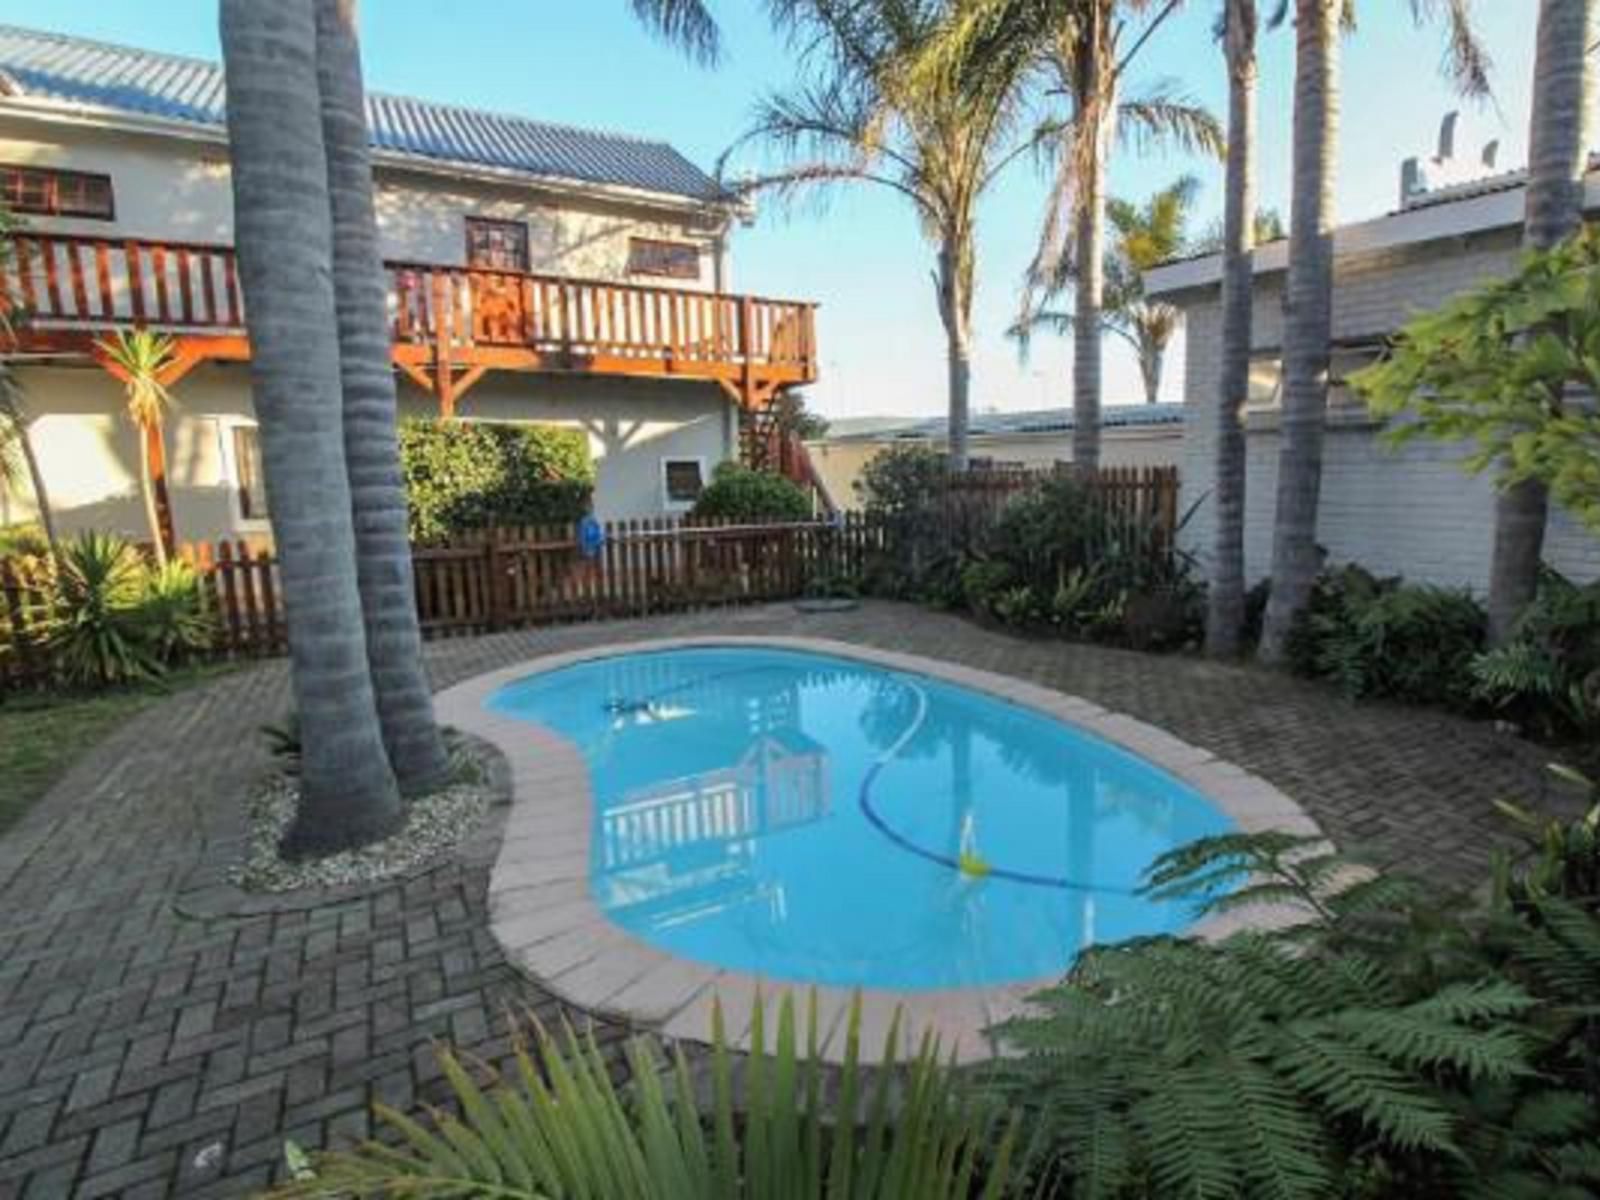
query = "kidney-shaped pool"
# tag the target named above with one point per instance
(821, 820)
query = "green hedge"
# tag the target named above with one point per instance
(742, 494)
(464, 475)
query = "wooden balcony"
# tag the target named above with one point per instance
(450, 324)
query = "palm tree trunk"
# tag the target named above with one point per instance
(1088, 289)
(1308, 319)
(1557, 140)
(41, 495)
(149, 437)
(1225, 597)
(284, 235)
(1151, 356)
(371, 445)
(955, 311)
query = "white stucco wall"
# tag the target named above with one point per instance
(179, 190)
(839, 463)
(1409, 511)
(88, 452)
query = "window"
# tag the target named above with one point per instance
(247, 474)
(676, 260)
(682, 480)
(497, 245)
(52, 193)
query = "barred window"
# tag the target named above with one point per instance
(675, 260)
(47, 192)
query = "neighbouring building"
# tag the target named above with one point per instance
(1409, 511)
(538, 273)
(1133, 435)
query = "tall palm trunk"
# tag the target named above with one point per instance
(1225, 597)
(371, 444)
(41, 494)
(1096, 104)
(152, 449)
(1152, 354)
(955, 311)
(1308, 319)
(1557, 154)
(285, 249)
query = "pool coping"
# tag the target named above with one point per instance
(548, 925)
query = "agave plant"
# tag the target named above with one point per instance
(175, 613)
(98, 633)
(561, 1128)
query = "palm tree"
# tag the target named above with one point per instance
(1144, 236)
(1308, 301)
(1225, 596)
(372, 454)
(284, 237)
(17, 456)
(139, 358)
(939, 139)
(1557, 153)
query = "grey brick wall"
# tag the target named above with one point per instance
(1410, 511)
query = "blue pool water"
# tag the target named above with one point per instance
(806, 818)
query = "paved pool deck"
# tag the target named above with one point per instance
(151, 1047)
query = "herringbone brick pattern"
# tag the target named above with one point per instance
(146, 1054)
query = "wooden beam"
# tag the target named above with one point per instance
(466, 379)
(416, 373)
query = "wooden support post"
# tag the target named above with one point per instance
(444, 378)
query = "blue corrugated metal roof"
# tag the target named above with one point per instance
(1035, 421)
(58, 67)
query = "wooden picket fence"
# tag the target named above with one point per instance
(506, 577)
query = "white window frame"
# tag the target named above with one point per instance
(230, 471)
(668, 504)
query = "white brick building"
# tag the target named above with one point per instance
(1410, 511)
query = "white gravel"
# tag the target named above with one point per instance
(435, 825)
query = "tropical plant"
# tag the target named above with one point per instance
(561, 1128)
(140, 359)
(739, 493)
(384, 574)
(1308, 302)
(284, 238)
(1242, 227)
(466, 475)
(1548, 675)
(1144, 236)
(175, 612)
(864, 116)
(18, 459)
(98, 634)
(1558, 159)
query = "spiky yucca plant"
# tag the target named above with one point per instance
(561, 1128)
(1271, 1064)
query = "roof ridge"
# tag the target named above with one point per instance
(72, 39)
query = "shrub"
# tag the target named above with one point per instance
(463, 475)
(175, 613)
(742, 494)
(562, 1128)
(98, 633)
(26, 540)
(902, 480)
(1386, 638)
(1548, 675)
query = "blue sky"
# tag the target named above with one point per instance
(587, 62)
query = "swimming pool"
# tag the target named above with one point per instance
(819, 819)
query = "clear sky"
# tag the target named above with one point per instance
(587, 62)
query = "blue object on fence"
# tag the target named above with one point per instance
(591, 537)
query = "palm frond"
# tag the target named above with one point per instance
(1162, 118)
(140, 357)
(1467, 63)
(687, 24)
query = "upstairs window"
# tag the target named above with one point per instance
(497, 245)
(47, 192)
(674, 260)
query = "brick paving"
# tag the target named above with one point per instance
(146, 1053)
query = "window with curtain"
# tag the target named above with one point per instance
(497, 245)
(248, 477)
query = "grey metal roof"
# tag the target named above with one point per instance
(1036, 421)
(54, 66)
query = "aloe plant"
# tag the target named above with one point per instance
(561, 1129)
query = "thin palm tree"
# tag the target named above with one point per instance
(371, 443)
(938, 140)
(284, 236)
(1238, 27)
(1308, 301)
(1143, 237)
(1557, 157)
(19, 461)
(140, 358)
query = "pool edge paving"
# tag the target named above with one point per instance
(581, 956)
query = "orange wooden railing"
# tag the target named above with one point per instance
(73, 282)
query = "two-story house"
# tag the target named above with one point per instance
(538, 273)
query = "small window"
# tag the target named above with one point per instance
(48, 192)
(675, 260)
(497, 245)
(683, 480)
(248, 476)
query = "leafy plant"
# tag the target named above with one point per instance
(175, 613)
(463, 475)
(1548, 675)
(739, 493)
(561, 1127)
(26, 539)
(98, 631)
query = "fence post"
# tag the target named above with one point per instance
(494, 580)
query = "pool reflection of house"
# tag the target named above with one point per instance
(684, 845)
